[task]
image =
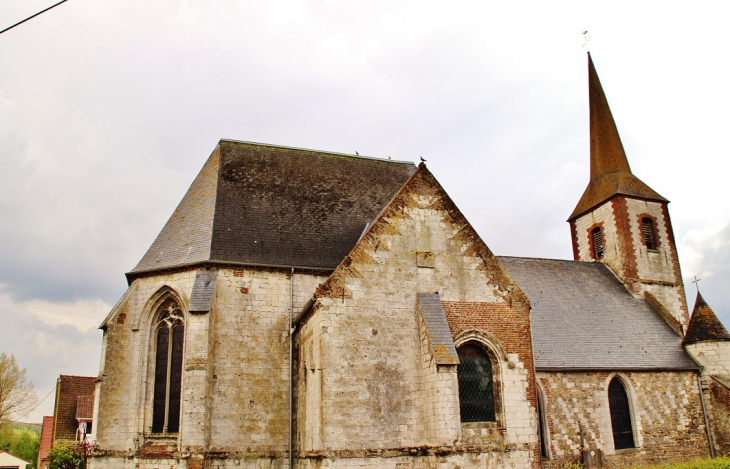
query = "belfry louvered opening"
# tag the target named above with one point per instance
(649, 232)
(597, 238)
(170, 337)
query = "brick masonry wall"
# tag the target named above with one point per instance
(666, 415)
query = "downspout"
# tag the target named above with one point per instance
(537, 404)
(704, 414)
(291, 370)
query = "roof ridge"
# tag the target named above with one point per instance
(550, 259)
(313, 150)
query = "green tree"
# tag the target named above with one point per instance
(20, 442)
(17, 395)
(25, 446)
(64, 456)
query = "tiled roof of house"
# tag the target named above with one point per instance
(610, 171)
(46, 441)
(85, 407)
(261, 204)
(582, 317)
(68, 390)
(704, 324)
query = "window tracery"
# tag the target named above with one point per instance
(170, 341)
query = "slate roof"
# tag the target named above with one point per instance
(610, 171)
(704, 324)
(583, 318)
(437, 327)
(260, 204)
(203, 289)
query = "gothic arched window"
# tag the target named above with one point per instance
(169, 339)
(618, 403)
(476, 385)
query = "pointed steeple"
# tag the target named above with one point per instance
(704, 325)
(610, 171)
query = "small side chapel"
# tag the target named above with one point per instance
(309, 309)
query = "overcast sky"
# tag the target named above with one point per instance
(109, 109)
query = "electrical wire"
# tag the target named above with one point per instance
(36, 406)
(31, 17)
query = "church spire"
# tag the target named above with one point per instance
(607, 152)
(610, 171)
(704, 325)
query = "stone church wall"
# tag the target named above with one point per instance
(235, 375)
(369, 393)
(718, 403)
(666, 414)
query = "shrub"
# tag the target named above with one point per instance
(64, 456)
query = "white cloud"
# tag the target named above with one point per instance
(51, 338)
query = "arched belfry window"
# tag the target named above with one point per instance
(169, 338)
(618, 403)
(476, 385)
(648, 230)
(597, 239)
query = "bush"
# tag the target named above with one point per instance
(65, 456)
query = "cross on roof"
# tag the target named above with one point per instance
(696, 281)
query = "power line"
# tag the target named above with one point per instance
(31, 17)
(41, 402)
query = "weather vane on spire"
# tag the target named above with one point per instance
(696, 281)
(586, 40)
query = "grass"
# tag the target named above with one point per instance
(705, 463)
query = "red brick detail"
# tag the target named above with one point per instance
(592, 247)
(121, 318)
(68, 390)
(675, 265)
(629, 270)
(238, 272)
(574, 239)
(510, 325)
(655, 228)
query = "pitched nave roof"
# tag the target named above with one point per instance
(583, 318)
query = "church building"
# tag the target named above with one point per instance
(309, 309)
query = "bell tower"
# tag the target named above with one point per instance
(621, 221)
